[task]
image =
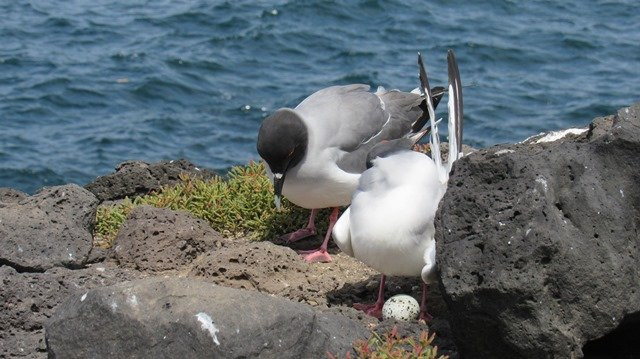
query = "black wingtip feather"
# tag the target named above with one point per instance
(424, 80)
(435, 94)
(456, 91)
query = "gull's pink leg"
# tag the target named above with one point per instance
(308, 231)
(321, 254)
(423, 305)
(375, 309)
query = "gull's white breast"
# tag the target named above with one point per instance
(317, 181)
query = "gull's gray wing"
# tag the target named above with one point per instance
(353, 119)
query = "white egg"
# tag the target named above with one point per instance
(401, 307)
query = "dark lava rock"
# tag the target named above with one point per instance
(159, 239)
(538, 245)
(27, 300)
(134, 178)
(261, 266)
(274, 269)
(331, 287)
(10, 195)
(51, 228)
(185, 318)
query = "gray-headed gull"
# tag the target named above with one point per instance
(389, 225)
(315, 153)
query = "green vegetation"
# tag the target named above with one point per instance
(391, 346)
(239, 205)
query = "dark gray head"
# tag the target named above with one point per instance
(282, 143)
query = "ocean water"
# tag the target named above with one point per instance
(85, 84)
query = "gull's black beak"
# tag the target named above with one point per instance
(278, 181)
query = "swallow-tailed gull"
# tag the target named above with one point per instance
(389, 225)
(315, 153)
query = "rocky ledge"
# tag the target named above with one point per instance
(537, 248)
(169, 273)
(181, 317)
(539, 244)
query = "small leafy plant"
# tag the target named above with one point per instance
(391, 346)
(239, 205)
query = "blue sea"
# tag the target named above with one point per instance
(85, 85)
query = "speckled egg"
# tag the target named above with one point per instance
(401, 307)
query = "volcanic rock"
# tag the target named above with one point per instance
(538, 244)
(51, 228)
(185, 318)
(10, 195)
(159, 239)
(133, 178)
(27, 300)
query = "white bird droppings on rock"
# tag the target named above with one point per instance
(543, 182)
(502, 152)
(207, 324)
(114, 306)
(556, 135)
(132, 300)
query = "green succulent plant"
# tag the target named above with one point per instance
(239, 204)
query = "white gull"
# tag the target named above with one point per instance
(390, 223)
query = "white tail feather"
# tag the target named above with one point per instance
(453, 125)
(443, 173)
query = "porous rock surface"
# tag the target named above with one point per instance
(279, 270)
(27, 300)
(51, 228)
(133, 178)
(10, 195)
(538, 245)
(159, 239)
(166, 244)
(260, 265)
(187, 318)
